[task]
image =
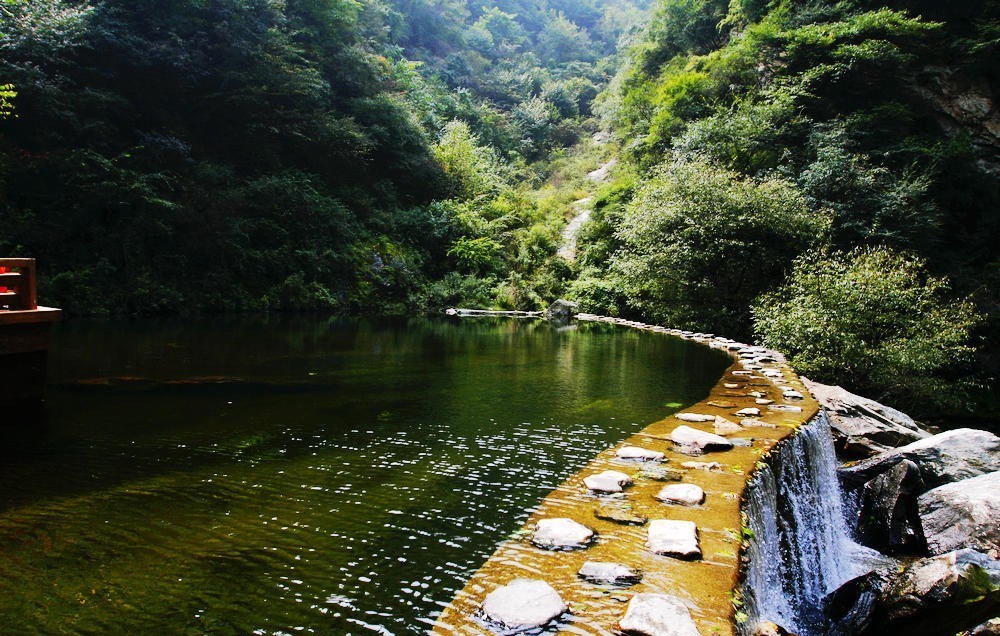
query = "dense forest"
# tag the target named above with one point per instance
(820, 177)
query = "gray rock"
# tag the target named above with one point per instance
(678, 539)
(682, 494)
(989, 628)
(561, 534)
(695, 417)
(562, 310)
(608, 481)
(943, 458)
(863, 427)
(640, 454)
(650, 614)
(523, 604)
(963, 514)
(887, 512)
(699, 441)
(608, 573)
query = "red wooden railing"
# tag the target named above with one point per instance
(17, 284)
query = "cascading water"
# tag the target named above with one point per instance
(800, 548)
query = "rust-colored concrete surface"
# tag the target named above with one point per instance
(704, 585)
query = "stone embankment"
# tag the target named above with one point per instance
(646, 538)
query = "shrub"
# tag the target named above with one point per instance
(872, 319)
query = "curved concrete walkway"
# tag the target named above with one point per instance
(757, 379)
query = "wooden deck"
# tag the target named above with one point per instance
(24, 332)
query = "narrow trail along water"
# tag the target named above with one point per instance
(755, 380)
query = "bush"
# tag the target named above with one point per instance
(873, 320)
(699, 243)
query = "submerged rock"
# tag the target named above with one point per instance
(650, 614)
(619, 513)
(660, 473)
(674, 538)
(863, 427)
(561, 534)
(699, 441)
(682, 494)
(709, 466)
(726, 427)
(608, 573)
(523, 604)
(641, 454)
(963, 514)
(608, 481)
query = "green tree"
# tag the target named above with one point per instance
(874, 320)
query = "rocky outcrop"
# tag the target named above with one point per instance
(862, 427)
(522, 604)
(939, 595)
(887, 511)
(963, 514)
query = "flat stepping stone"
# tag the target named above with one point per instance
(763, 401)
(721, 404)
(731, 385)
(682, 495)
(700, 441)
(751, 422)
(561, 534)
(773, 373)
(750, 411)
(674, 538)
(792, 394)
(608, 573)
(651, 614)
(702, 465)
(608, 481)
(619, 514)
(641, 454)
(694, 417)
(523, 604)
(788, 408)
(660, 473)
(726, 427)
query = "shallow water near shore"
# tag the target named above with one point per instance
(300, 474)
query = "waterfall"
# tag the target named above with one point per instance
(800, 548)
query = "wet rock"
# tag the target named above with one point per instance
(750, 422)
(788, 408)
(699, 441)
(660, 473)
(944, 594)
(694, 417)
(678, 539)
(726, 427)
(963, 514)
(608, 481)
(989, 628)
(792, 394)
(731, 385)
(773, 373)
(763, 401)
(767, 628)
(561, 534)
(943, 458)
(702, 465)
(887, 513)
(750, 411)
(862, 427)
(619, 513)
(608, 573)
(651, 614)
(720, 404)
(523, 604)
(640, 454)
(682, 494)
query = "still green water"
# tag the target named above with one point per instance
(303, 475)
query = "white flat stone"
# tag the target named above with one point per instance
(523, 604)
(789, 408)
(726, 427)
(699, 440)
(763, 401)
(694, 417)
(674, 538)
(561, 534)
(651, 614)
(773, 373)
(750, 411)
(608, 481)
(642, 454)
(750, 422)
(702, 465)
(792, 394)
(682, 494)
(605, 572)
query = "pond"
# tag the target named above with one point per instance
(301, 474)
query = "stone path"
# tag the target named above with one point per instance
(664, 554)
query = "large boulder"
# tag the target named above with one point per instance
(522, 604)
(944, 594)
(963, 514)
(562, 311)
(862, 427)
(887, 511)
(943, 458)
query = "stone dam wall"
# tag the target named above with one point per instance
(648, 537)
